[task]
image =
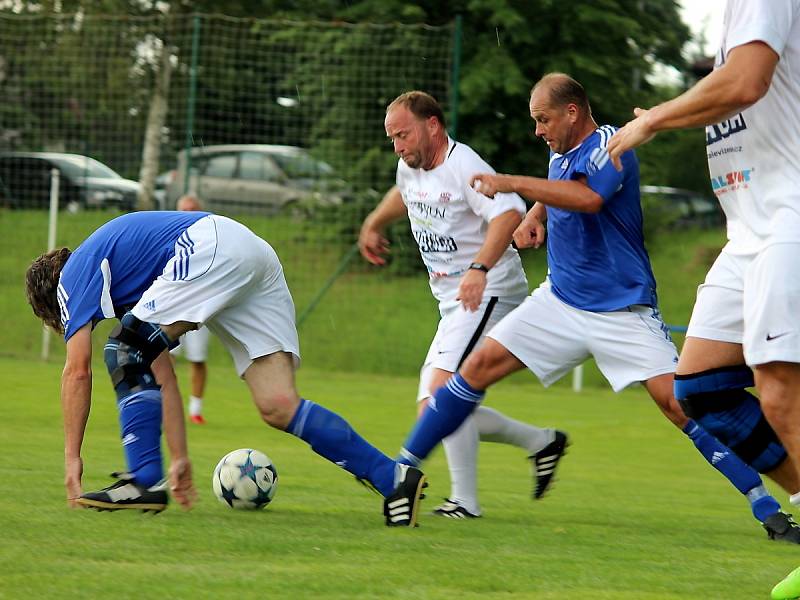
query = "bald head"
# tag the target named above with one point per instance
(189, 202)
(562, 90)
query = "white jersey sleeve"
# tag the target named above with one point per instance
(470, 164)
(449, 221)
(767, 21)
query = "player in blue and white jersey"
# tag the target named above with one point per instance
(163, 274)
(464, 239)
(599, 298)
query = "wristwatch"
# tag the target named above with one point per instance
(479, 267)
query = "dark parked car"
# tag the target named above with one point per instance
(83, 182)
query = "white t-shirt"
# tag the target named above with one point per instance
(449, 221)
(753, 156)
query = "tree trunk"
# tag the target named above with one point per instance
(152, 137)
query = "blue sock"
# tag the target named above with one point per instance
(330, 436)
(140, 424)
(762, 504)
(446, 411)
(742, 476)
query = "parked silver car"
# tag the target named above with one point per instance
(247, 177)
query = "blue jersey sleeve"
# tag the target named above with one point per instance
(601, 175)
(80, 294)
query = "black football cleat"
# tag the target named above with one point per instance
(402, 507)
(544, 463)
(127, 494)
(781, 526)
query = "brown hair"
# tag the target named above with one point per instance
(420, 104)
(41, 286)
(564, 90)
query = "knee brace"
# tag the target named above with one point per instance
(718, 402)
(131, 348)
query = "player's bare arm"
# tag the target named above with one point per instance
(569, 195)
(498, 238)
(180, 470)
(372, 243)
(740, 82)
(76, 398)
(531, 231)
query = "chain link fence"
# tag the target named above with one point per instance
(278, 124)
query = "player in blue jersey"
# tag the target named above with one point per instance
(599, 297)
(163, 274)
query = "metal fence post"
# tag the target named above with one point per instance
(52, 222)
(456, 75)
(191, 101)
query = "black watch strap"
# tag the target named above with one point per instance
(479, 267)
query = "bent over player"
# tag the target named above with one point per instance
(163, 274)
(476, 276)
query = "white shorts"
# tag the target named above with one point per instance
(459, 332)
(753, 300)
(194, 345)
(231, 281)
(551, 338)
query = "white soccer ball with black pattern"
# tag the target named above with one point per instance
(245, 478)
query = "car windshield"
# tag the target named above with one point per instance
(80, 166)
(302, 166)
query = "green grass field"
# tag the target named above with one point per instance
(635, 514)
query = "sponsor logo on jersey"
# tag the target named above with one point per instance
(725, 129)
(435, 212)
(151, 305)
(722, 184)
(439, 274)
(726, 150)
(445, 197)
(431, 242)
(564, 164)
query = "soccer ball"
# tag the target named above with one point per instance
(245, 478)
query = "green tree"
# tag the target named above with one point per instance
(610, 46)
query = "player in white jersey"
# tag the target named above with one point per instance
(475, 275)
(194, 348)
(746, 311)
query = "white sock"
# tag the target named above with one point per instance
(195, 406)
(461, 449)
(794, 499)
(496, 427)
